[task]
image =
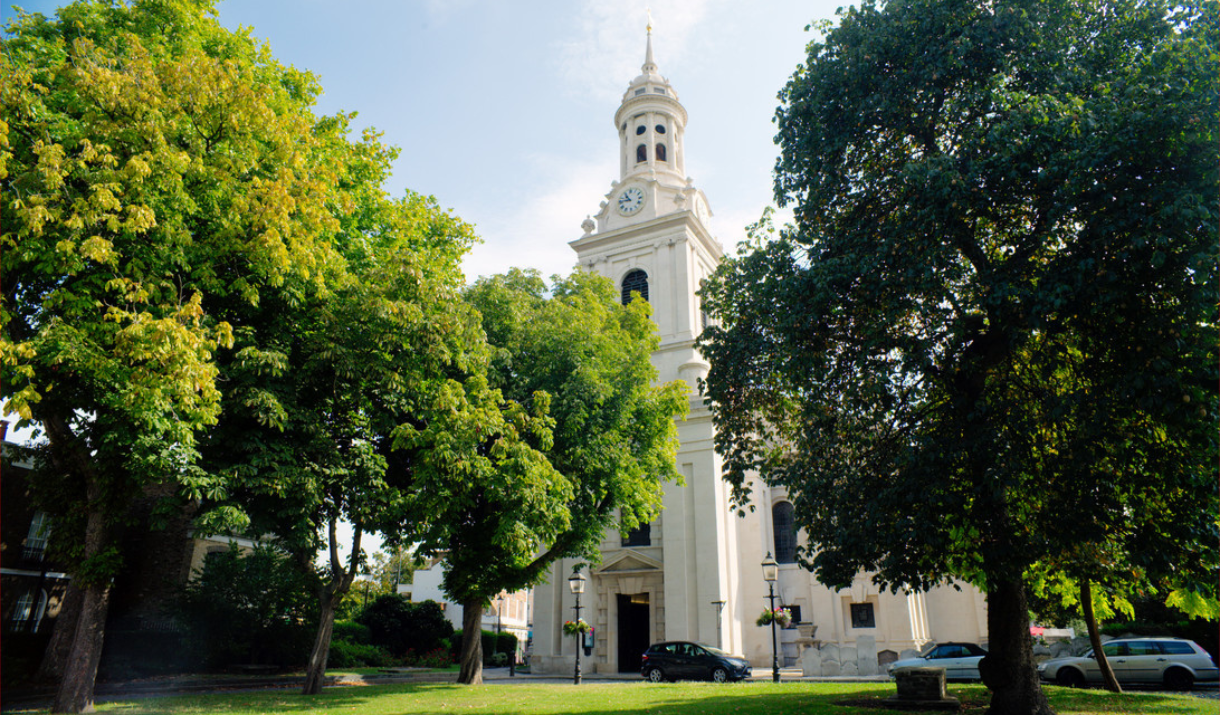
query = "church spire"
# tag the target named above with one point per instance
(650, 66)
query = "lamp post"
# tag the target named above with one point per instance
(771, 574)
(577, 583)
(719, 609)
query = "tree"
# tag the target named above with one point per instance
(990, 336)
(151, 161)
(319, 383)
(393, 567)
(582, 440)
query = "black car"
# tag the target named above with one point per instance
(683, 660)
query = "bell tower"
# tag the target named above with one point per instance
(650, 236)
(651, 124)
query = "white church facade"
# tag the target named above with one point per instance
(695, 572)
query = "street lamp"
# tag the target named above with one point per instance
(771, 574)
(577, 583)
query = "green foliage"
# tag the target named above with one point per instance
(151, 161)
(346, 654)
(592, 440)
(989, 340)
(352, 632)
(254, 607)
(399, 625)
(985, 311)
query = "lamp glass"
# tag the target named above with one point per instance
(577, 583)
(770, 569)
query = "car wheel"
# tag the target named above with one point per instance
(1179, 679)
(1070, 678)
(720, 675)
(655, 675)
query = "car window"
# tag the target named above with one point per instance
(1176, 647)
(1113, 649)
(1143, 648)
(667, 648)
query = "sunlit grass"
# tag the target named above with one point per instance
(594, 698)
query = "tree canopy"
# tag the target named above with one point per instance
(592, 439)
(989, 338)
(184, 235)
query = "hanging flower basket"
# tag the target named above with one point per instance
(781, 616)
(571, 628)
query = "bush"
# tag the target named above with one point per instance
(399, 625)
(438, 658)
(352, 632)
(253, 608)
(345, 654)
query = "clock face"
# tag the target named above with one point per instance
(630, 201)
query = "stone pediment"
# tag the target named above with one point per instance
(629, 561)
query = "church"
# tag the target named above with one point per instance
(695, 572)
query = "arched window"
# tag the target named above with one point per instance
(635, 281)
(660, 152)
(784, 526)
(641, 153)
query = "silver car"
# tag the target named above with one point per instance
(960, 660)
(1174, 662)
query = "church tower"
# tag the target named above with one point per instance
(672, 578)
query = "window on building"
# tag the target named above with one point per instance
(796, 615)
(639, 536)
(641, 153)
(660, 129)
(639, 130)
(784, 526)
(862, 616)
(661, 152)
(27, 615)
(635, 281)
(36, 539)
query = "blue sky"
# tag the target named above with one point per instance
(504, 110)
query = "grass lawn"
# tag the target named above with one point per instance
(627, 699)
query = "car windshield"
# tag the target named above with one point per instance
(712, 650)
(927, 651)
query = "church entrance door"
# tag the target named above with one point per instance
(632, 631)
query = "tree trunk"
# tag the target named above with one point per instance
(1008, 670)
(75, 694)
(472, 644)
(1108, 678)
(55, 657)
(315, 675)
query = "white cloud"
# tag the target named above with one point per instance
(608, 46)
(536, 234)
